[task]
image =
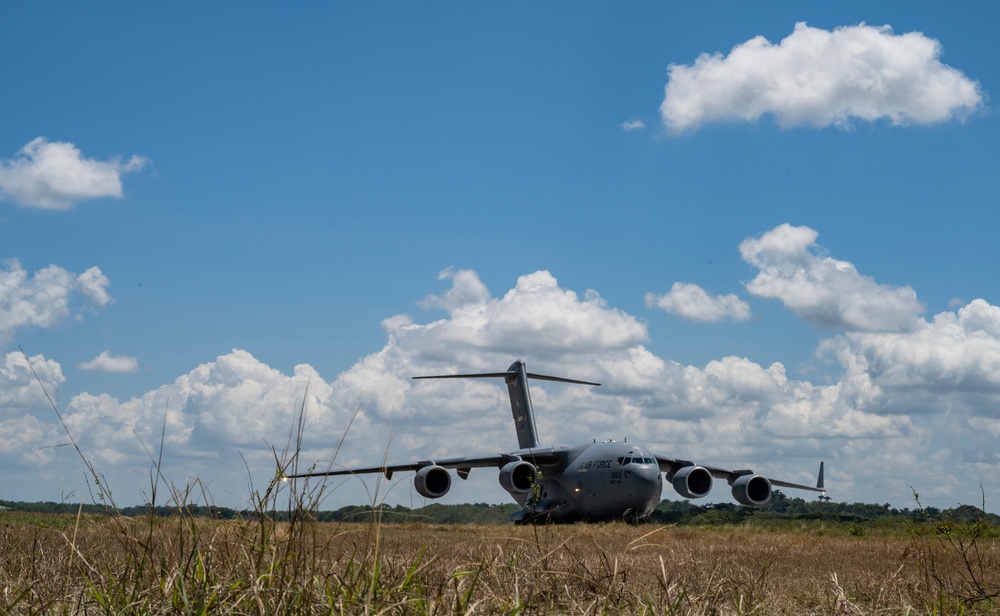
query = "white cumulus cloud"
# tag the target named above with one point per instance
(44, 299)
(466, 289)
(54, 175)
(212, 418)
(957, 355)
(20, 389)
(689, 301)
(818, 78)
(536, 314)
(106, 362)
(93, 285)
(823, 290)
(28, 431)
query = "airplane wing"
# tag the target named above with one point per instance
(538, 457)
(671, 466)
(731, 476)
(462, 464)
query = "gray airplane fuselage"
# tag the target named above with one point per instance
(609, 480)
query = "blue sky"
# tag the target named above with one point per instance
(202, 208)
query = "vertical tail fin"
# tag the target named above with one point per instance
(520, 405)
(516, 378)
(819, 481)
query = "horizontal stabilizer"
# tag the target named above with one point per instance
(507, 375)
(516, 377)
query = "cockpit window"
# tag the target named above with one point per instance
(622, 461)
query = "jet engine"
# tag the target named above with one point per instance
(518, 477)
(752, 490)
(432, 481)
(693, 481)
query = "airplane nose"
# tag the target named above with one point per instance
(647, 488)
(647, 478)
(651, 474)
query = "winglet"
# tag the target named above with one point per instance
(819, 481)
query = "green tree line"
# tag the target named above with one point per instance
(682, 512)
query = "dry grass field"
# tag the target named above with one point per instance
(60, 564)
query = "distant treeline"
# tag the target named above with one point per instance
(668, 512)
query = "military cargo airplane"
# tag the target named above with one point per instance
(591, 482)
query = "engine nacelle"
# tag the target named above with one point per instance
(693, 481)
(518, 477)
(752, 490)
(432, 481)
